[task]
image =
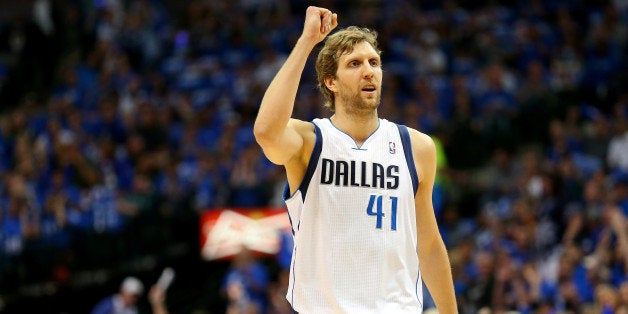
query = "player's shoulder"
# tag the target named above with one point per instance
(424, 151)
(420, 140)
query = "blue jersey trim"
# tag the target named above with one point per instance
(407, 150)
(311, 166)
(286, 193)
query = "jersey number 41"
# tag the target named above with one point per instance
(375, 208)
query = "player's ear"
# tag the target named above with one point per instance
(330, 82)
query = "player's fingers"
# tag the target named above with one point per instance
(334, 21)
(326, 21)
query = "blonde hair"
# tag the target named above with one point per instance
(337, 44)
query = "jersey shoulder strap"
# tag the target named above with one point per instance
(407, 150)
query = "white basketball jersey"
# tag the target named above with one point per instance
(354, 225)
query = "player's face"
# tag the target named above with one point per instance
(358, 80)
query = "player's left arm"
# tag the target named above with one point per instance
(433, 258)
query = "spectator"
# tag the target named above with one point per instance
(123, 302)
(245, 285)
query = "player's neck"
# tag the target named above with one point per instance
(358, 126)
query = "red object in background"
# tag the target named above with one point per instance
(224, 232)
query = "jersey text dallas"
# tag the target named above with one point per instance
(343, 173)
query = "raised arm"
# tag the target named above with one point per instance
(274, 130)
(433, 258)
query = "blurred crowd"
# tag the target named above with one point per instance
(114, 112)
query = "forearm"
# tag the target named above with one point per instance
(622, 242)
(278, 101)
(159, 308)
(436, 273)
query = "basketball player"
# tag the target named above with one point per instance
(359, 187)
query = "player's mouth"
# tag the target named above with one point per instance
(369, 89)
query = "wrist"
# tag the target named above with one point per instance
(306, 43)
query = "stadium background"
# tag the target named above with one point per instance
(123, 122)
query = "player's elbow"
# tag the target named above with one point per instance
(427, 245)
(263, 133)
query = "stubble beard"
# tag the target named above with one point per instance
(355, 104)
